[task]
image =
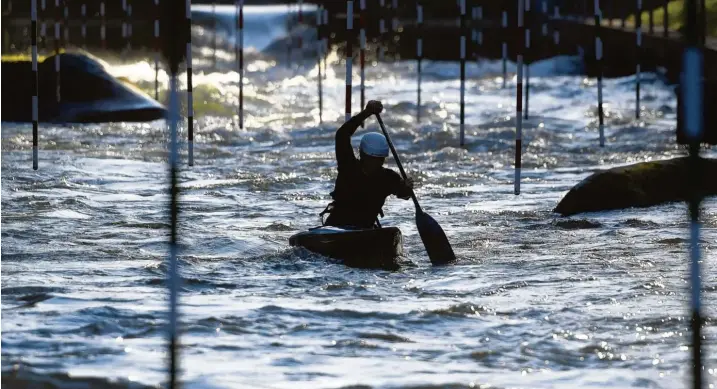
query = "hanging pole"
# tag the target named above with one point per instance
(419, 56)
(35, 87)
(692, 95)
(665, 22)
(463, 69)
(349, 52)
(319, 40)
(519, 105)
(124, 21)
(394, 26)
(214, 34)
(240, 58)
(173, 45)
(326, 41)
(479, 33)
(83, 12)
(381, 30)
(65, 25)
(299, 39)
(289, 39)
(362, 16)
(43, 28)
(157, 49)
(129, 26)
(528, 20)
(556, 32)
(703, 22)
(651, 20)
(190, 98)
(103, 27)
(598, 59)
(505, 48)
(545, 18)
(480, 28)
(57, 50)
(638, 59)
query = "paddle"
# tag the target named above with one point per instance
(434, 239)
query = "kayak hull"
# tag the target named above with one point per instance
(377, 248)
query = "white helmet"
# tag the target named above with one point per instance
(374, 144)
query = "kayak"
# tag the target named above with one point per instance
(375, 248)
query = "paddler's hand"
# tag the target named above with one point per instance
(374, 107)
(408, 183)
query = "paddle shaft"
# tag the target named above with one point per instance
(398, 161)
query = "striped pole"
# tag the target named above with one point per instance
(57, 50)
(556, 32)
(172, 51)
(83, 11)
(156, 53)
(638, 60)
(319, 44)
(362, 4)
(394, 25)
(129, 27)
(528, 20)
(124, 20)
(240, 58)
(349, 50)
(519, 106)
(65, 25)
(419, 56)
(190, 98)
(326, 42)
(173, 276)
(665, 21)
(381, 30)
(289, 40)
(301, 21)
(463, 69)
(651, 20)
(545, 18)
(43, 28)
(35, 88)
(214, 35)
(598, 60)
(103, 27)
(480, 29)
(478, 33)
(692, 95)
(665, 26)
(505, 49)
(703, 22)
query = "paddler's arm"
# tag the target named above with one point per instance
(344, 151)
(403, 189)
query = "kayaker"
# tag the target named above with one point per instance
(363, 184)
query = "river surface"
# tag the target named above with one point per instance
(535, 300)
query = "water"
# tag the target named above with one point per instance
(535, 300)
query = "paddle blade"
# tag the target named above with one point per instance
(434, 239)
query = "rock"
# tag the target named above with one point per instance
(640, 185)
(88, 93)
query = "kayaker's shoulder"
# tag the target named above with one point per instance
(391, 174)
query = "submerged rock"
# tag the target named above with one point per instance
(88, 93)
(640, 185)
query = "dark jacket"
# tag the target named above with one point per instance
(358, 198)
